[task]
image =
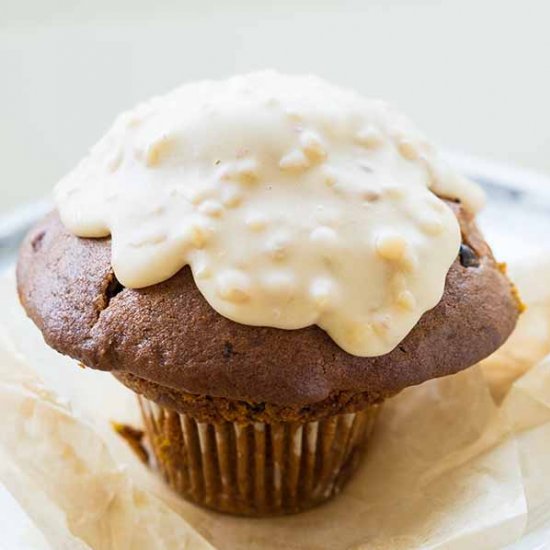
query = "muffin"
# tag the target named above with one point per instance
(263, 261)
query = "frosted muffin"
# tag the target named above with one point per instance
(264, 260)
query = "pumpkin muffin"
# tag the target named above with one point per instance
(263, 261)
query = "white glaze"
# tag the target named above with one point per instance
(294, 202)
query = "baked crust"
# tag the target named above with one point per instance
(168, 337)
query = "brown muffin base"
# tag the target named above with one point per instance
(256, 468)
(207, 408)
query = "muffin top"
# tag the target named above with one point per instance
(168, 334)
(266, 238)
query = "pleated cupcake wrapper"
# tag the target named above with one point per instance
(256, 469)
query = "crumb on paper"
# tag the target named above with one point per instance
(134, 438)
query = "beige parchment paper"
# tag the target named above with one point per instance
(457, 463)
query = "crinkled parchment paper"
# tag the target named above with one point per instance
(460, 462)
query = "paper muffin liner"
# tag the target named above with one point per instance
(256, 469)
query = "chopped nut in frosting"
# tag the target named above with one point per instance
(293, 201)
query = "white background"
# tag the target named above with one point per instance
(474, 74)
